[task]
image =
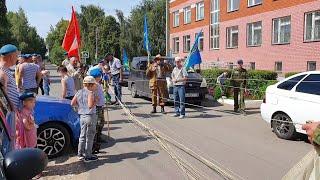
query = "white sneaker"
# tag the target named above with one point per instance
(181, 116)
(175, 115)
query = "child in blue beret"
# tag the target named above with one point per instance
(26, 128)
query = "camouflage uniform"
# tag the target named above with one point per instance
(158, 85)
(239, 83)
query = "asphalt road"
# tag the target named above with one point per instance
(245, 145)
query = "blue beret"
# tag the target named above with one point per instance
(34, 54)
(95, 72)
(27, 56)
(26, 95)
(240, 61)
(6, 49)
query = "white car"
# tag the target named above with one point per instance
(295, 99)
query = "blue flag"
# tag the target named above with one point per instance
(146, 43)
(125, 60)
(194, 56)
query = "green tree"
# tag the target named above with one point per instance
(54, 41)
(5, 33)
(93, 21)
(26, 36)
(131, 36)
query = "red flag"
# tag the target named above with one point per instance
(72, 40)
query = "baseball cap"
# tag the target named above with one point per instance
(89, 80)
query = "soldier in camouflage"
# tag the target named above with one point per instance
(239, 83)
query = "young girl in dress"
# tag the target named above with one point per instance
(25, 126)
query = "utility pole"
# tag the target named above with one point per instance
(167, 29)
(96, 55)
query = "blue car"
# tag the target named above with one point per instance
(59, 125)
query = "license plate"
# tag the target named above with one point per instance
(188, 95)
(192, 94)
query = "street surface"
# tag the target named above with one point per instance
(243, 144)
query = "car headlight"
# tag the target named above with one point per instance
(204, 83)
(169, 82)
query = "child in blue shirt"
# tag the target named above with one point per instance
(46, 81)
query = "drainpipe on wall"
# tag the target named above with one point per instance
(167, 29)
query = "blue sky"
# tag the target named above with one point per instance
(43, 13)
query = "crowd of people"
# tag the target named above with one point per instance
(22, 76)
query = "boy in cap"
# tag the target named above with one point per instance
(86, 100)
(239, 83)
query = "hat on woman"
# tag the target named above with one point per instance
(89, 80)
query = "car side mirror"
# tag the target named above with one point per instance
(24, 164)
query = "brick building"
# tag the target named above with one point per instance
(280, 35)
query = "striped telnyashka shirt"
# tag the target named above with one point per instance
(12, 91)
(29, 72)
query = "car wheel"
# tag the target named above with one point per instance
(282, 129)
(53, 139)
(134, 91)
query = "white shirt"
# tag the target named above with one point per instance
(65, 62)
(179, 75)
(115, 66)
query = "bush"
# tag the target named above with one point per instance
(290, 74)
(217, 93)
(258, 81)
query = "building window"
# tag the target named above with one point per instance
(281, 30)
(176, 45)
(254, 2)
(214, 27)
(187, 15)
(200, 41)
(199, 11)
(252, 65)
(312, 26)
(232, 37)
(312, 65)
(278, 67)
(176, 19)
(254, 34)
(233, 5)
(186, 43)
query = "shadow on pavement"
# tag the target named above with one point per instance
(110, 128)
(205, 116)
(133, 139)
(119, 121)
(146, 116)
(79, 167)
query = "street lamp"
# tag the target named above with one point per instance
(167, 29)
